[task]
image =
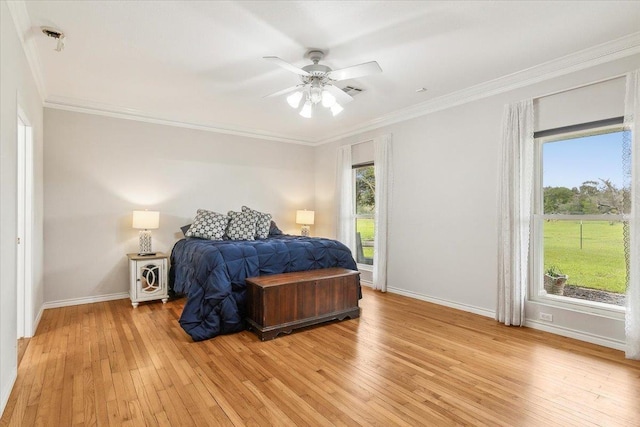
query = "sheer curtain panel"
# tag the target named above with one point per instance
(631, 120)
(345, 232)
(383, 173)
(515, 203)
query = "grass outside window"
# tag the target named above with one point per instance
(364, 226)
(599, 264)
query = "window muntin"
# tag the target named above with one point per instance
(578, 216)
(364, 206)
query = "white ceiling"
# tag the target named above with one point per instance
(201, 62)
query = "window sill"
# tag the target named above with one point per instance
(365, 267)
(581, 306)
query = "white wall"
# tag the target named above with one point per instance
(17, 87)
(443, 231)
(99, 169)
(443, 218)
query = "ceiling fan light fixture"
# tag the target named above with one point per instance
(328, 100)
(315, 94)
(317, 83)
(306, 110)
(294, 99)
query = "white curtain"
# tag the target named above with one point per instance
(383, 173)
(515, 199)
(346, 232)
(631, 121)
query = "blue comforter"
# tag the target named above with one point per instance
(212, 273)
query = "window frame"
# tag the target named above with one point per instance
(355, 214)
(536, 292)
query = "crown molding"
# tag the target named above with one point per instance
(600, 54)
(22, 23)
(89, 107)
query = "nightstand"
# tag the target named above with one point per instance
(148, 277)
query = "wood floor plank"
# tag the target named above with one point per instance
(176, 411)
(148, 399)
(403, 362)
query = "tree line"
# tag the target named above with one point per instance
(592, 197)
(365, 190)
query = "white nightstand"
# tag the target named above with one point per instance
(148, 277)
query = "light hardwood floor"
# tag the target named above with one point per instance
(404, 362)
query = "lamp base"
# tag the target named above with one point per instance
(304, 231)
(145, 243)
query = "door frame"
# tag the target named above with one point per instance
(24, 217)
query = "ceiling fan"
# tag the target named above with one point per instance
(317, 84)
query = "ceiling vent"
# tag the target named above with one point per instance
(55, 34)
(350, 90)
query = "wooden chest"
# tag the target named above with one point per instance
(280, 303)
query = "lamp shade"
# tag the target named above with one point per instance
(146, 220)
(306, 111)
(294, 99)
(336, 109)
(305, 217)
(328, 99)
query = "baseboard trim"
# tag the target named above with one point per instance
(36, 322)
(84, 300)
(463, 307)
(578, 335)
(6, 390)
(533, 324)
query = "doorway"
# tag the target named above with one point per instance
(24, 213)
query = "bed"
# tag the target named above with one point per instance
(212, 273)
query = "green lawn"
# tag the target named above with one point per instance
(364, 226)
(599, 264)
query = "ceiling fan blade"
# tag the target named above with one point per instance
(284, 64)
(283, 91)
(356, 71)
(341, 96)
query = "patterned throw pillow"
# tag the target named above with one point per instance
(208, 225)
(242, 226)
(263, 222)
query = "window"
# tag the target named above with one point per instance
(578, 242)
(364, 191)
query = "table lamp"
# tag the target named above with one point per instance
(305, 218)
(146, 221)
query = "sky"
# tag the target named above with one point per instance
(570, 162)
